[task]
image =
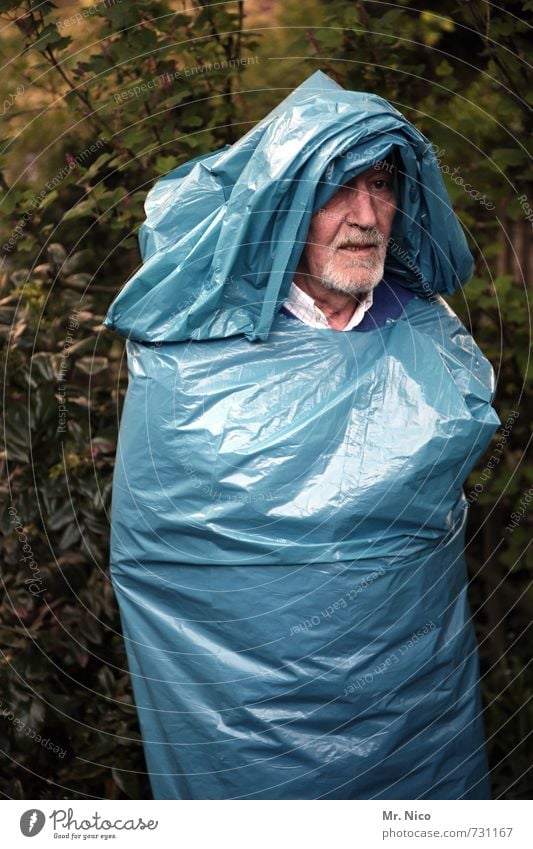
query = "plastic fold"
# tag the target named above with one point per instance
(288, 517)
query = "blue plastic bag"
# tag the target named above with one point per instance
(288, 515)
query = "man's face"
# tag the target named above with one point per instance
(347, 239)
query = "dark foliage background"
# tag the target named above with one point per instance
(77, 156)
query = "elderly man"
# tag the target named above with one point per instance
(344, 256)
(288, 515)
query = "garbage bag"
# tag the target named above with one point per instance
(224, 232)
(288, 517)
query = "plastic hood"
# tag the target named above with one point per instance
(224, 232)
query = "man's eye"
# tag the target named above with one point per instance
(382, 185)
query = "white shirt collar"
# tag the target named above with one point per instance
(300, 304)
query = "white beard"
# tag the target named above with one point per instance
(353, 276)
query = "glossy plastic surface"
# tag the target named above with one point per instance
(288, 517)
(224, 232)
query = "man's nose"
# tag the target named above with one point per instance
(360, 208)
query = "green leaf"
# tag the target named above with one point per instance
(69, 537)
(444, 69)
(106, 681)
(83, 209)
(164, 164)
(49, 199)
(9, 200)
(77, 260)
(122, 15)
(504, 157)
(108, 159)
(91, 628)
(48, 36)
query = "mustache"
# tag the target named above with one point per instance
(373, 239)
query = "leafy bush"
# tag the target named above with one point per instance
(69, 243)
